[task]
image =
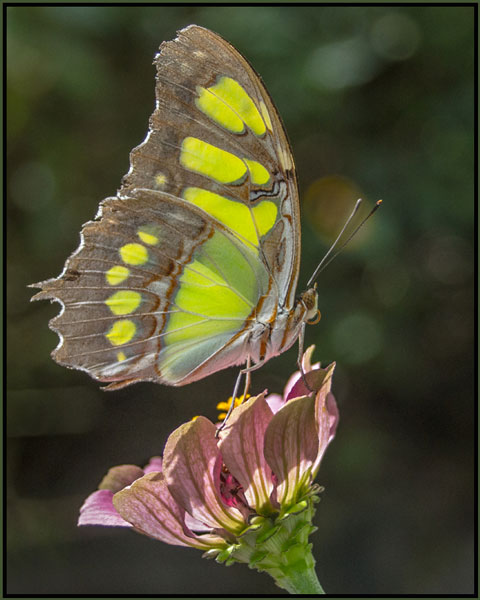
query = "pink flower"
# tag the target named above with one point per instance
(230, 495)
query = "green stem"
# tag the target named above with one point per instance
(298, 578)
(302, 583)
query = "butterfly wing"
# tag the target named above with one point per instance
(202, 238)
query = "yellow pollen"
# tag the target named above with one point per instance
(224, 406)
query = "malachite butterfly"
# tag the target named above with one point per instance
(192, 267)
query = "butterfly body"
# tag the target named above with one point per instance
(193, 266)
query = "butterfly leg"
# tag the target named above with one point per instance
(246, 371)
(248, 379)
(232, 403)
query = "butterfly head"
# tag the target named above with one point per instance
(309, 301)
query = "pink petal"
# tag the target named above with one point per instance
(326, 416)
(333, 414)
(242, 450)
(291, 383)
(119, 477)
(154, 464)
(148, 505)
(194, 525)
(291, 445)
(307, 359)
(275, 402)
(295, 385)
(189, 460)
(98, 509)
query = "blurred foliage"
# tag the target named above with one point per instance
(378, 103)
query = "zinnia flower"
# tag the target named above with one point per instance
(247, 496)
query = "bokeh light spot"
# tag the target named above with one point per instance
(342, 64)
(327, 204)
(395, 36)
(357, 338)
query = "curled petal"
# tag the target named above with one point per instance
(326, 415)
(194, 525)
(119, 477)
(295, 385)
(334, 415)
(190, 460)
(148, 505)
(242, 451)
(291, 447)
(98, 509)
(307, 360)
(292, 385)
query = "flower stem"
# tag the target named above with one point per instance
(298, 577)
(301, 582)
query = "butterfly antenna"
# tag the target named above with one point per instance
(324, 262)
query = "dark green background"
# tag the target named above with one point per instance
(379, 100)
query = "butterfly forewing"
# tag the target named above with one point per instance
(209, 98)
(203, 238)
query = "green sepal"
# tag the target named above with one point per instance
(296, 555)
(266, 534)
(255, 523)
(212, 553)
(257, 557)
(225, 554)
(294, 509)
(279, 546)
(300, 532)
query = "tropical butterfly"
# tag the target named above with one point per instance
(193, 266)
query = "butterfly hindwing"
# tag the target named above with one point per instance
(136, 294)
